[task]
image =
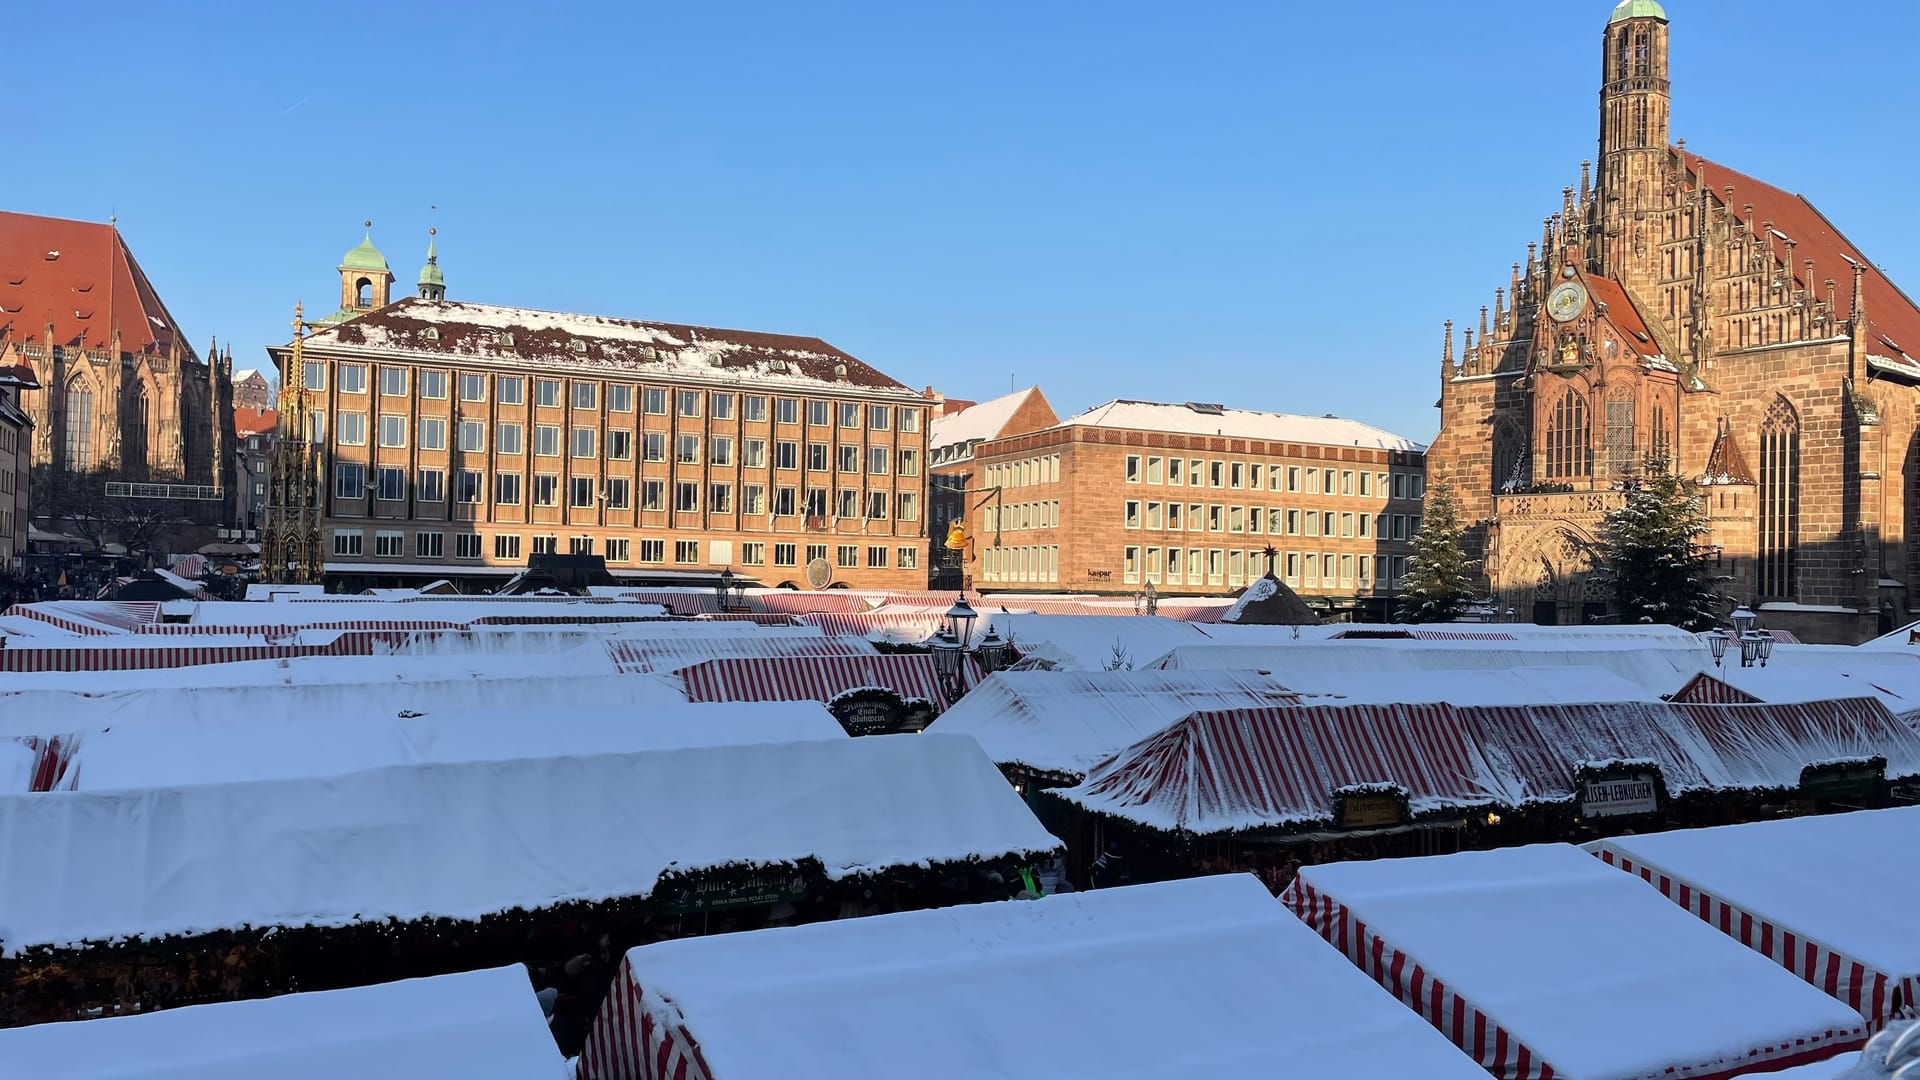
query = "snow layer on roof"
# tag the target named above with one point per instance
(976, 422)
(1239, 424)
(53, 705)
(467, 840)
(1186, 978)
(1064, 722)
(1833, 878)
(17, 764)
(1593, 970)
(477, 1025)
(1092, 642)
(1511, 686)
(448, 609)
(1896, 686)
(1659, 669)
(237, 749)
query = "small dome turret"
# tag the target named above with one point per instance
(433, 283)
(1638, 9)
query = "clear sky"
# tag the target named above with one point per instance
(1270, 204)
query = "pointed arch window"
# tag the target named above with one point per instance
(134, 440)
(79, 409)
(1779, 540)
(1569, 449)
(1659, 444)
(1509, 458)
(1642, 54)
(1620, 456)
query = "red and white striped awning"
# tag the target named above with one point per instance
(642, 655)
(1875, 995)
(630, 1042)
(1704, 689)
(110, 658)
(917, 626)
(1248, 768)
(813, 678)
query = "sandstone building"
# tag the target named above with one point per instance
(126, 398)
(458, 439)
(1189, 496)
(958, 431)
(1674, 308)
(16, 438)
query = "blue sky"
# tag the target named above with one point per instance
(1271, 205)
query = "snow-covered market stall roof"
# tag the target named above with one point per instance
(1093, 642)
(1658, 668)
(238, 749)
(1205, 977)
(478, 1025)
(1281, 767)
(466, 841)
(1831, 898)
(812, 678)
(669, 654)
(1062, 723)
(1541, 962)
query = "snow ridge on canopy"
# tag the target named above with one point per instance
(478, 1025)
(1541, 962)
(464, 841)
(1207, 977)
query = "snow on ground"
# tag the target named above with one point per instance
(1065, 721)
(1846, 881)
(1592, 970)
(1200, 978)
(236, 749)
(473, 839)
(477, 1025)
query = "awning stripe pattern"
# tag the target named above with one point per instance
(632, 1041)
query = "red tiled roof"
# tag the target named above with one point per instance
(1893, 321)
(92, 284)
(255, 421)
(1622, 313)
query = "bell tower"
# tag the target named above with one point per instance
(1634, 110)
(366, 281)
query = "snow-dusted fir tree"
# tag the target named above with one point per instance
(1440, 578)
(1653, 554)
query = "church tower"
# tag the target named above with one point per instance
(1634, 109)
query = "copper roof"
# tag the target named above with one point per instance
(1726, 464)
(1893, 321)
(81, 277)
(510, 335)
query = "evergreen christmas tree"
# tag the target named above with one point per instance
(1440, 578)
(1652, 552)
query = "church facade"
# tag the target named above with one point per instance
(125, 398)
(1678, 311)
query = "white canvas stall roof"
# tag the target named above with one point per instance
(469, 840)
(1582, 968)
(1090, 642)
(1063, 722)
(1512, 686)
(237, 749)
(1199, 978)
(477, 1025)
(1898, 688)
(1660, 670)
(1843, 885)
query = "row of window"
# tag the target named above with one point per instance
(548, 440)
(1252, 475)
(1233, 568)
(1216, 517)
(352, 480)
(1036, 470)
(1036, 563)
(391, 544)
(620, 398)
(1033, 515)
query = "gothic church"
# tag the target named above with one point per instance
(1677, 309)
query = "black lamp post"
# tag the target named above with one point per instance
(733, 595)
(1755, 644)
(953, 646)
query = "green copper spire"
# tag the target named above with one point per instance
(433, 283)
(1638, 9)
(366, 256)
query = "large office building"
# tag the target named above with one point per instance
(1189, 497)
(458, 439)
(1679, 311)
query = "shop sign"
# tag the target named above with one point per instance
(1370, 811)
(1618, 795)
(722, 893)
(1843, 780)
(870, 712)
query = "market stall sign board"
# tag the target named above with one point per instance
(1371, 811)
(870, 712)
(1618, 795)
(1844, 780)
(720, 894)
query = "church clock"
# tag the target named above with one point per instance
(1567, 300)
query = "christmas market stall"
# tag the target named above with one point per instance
(477, 1025)
(1269, 789)
(872, 695)
(1206, 977)
(1541, 962)
(1831, 898)
(175, 895)
(242, 749)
